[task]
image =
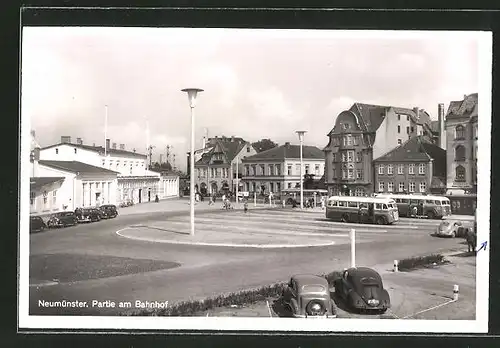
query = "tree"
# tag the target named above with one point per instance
(264, 144)
(166, 166)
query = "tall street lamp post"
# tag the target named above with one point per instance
(192, 93)
(301, 138)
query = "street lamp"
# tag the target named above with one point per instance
(301, 138)
(192, 93)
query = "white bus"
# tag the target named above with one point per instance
(377, 210)
(432, 207)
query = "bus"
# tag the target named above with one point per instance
(293, 194)
(378, 210)
(463, 204)
(432, 207)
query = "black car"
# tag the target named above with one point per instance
(361, 288)
(62, 219)
(37, 224)
(108, 211)
(87, 215)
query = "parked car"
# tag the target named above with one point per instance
(62, 219)
(361, 288)
(87, 215)
(37, 224)
(454, 228)
(109, 211)
(308, 296)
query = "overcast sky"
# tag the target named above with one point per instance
(258, 83)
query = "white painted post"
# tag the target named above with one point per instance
(396, 266)
(455, 292)
(255, 199)
(353, 247)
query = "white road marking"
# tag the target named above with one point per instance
(429, 309)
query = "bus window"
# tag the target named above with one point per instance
(414, 201)
(342, 204)
(378, 206)
(332, 203)
(384, 206)
(352, 204)
(404, 200)
(398, 200)
(436, 202)
(445, 202)
(429, 202)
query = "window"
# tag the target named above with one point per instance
(334, 173)
(401, 168)
(352, 204)
(277, 169)
(390, 169)
(332, 203)
(359, 192)
(459, 132)
(270, 169)
(307, 169)
(316, 169)
(75, 149)
(399, 117)
(412, 186)
(350, 173)
(460, 153)
(350, 156)
(407, 117)
(103, 163)
(381, 169)
(400, 141)
(344, 174)
(349, 140)
(32, 197)
(297, 169)
(342, 204)
(475, 131)
(54, 197)
(356, 139)
(359, 174)
(421, 168)
(411, 168)
(57, 151)
(381, 186)
(359, 157)
(401, 186)
(423, 186)
(344, 157)
(334, 157)
(289, 185)
(262, 170)
(271, 187)
(289, 170)
(399, 128)
(407, 130)
(390, 186)
(412, 129)
(44, 197)
(459, 173)
(248, 148)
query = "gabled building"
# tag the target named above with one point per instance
(215, 171)
(461, 145)
(279, 168)
(365, 132)
(416, 166)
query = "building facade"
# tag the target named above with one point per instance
(416, 166)
(461, 145)
(135, 182)
(215, 171)
(362, 133)
(279, 168)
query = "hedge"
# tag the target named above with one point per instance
(421, 261)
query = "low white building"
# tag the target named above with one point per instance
(134, 181)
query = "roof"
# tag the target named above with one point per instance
(438, 182)
(230, 148)
(359, 273)
(100, 149)
(39, 182)
(310, 279)
(435, 126)
(288, 151)
(76, 167)
(463, 108)
(415, 149)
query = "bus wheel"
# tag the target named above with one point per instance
(381, 221)
(345, 218)
(431, 215)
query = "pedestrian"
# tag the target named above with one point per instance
(245, 206)
(322, 202)
(414, 211)
(283, 202)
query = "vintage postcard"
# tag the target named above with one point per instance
(264, 180)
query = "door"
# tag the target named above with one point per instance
(149, 195)
(140, 195)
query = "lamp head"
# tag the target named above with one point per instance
(301, 134)
(192, 94)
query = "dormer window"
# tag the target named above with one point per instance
(57, 151)
(75, 149)
(345, 125)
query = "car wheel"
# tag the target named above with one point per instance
(345, 218)
(380, 220)
(453, 234)
(431, 215)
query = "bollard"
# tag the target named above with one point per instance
(353, 247)
(396, 266)
(455, 292)
(254, 199)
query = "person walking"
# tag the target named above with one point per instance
(322, 202)
(245, 206)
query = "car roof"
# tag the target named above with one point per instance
(363, 272)
(309, 279)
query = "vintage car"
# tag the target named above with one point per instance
(37, 224)
(62, 219)
(108, 211)
(454, 228)
(87, 215)
(361, 288)
(308, 296)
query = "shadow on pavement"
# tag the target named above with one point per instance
(465, 254)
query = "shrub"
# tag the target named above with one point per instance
(421, 261)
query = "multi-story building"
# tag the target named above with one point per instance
(362, 133)
(215, 171)
(416, 166)
(461, 145)
(135, 181)
(279, 168)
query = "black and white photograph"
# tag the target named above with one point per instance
(254, 179)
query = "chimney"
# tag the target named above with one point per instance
(93, 144)
(122, 146)
(417, 114)
(114, 146)
(441, 128)
(65, 139)
(287, 144)
(232, 138)
(134, 150)
(107, 143)
(79, 141)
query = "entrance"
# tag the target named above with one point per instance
(149, 195)
(140, 195)
(97, 200)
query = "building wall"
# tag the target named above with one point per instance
(43, 201)
(66, 152)
(64, 195)
(388, 134)
(470, 143)
(405, 178)
(93, 190)
(169, 187)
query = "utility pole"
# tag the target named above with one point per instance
(150, 148)
(174, 167)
